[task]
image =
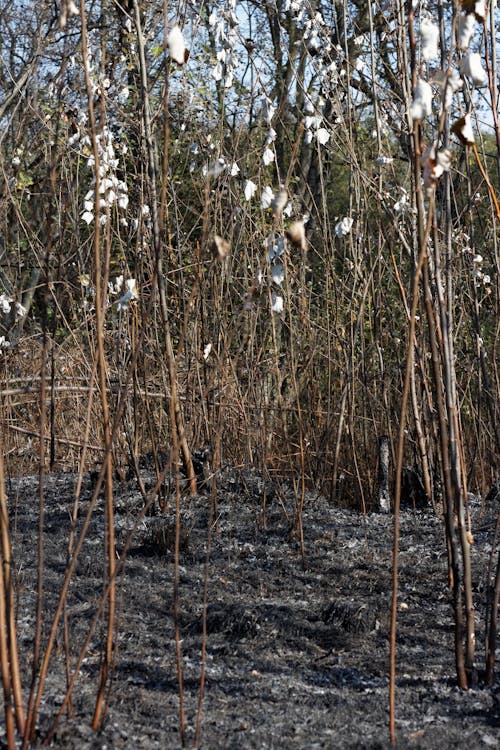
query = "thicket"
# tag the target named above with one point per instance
(265, 228)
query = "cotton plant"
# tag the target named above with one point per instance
(269, 286)
(466, 28)
(473, 15)
(327, 63)
(112, 190)
(316, 35)
(224, 24)
(213, 165)
(277, 201)
(481, 279)
(267, 112)
(449, 81)
(99, 83)
(315, 129)
(114, 91)
(403, 201)
(277, 273)
(469, 71)
(314, 125)
(266, 197)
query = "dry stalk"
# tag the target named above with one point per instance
(9, 660)
(159, 276)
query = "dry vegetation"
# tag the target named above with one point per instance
(278, 247)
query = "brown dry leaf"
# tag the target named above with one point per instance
(416, 735)
(296, 233)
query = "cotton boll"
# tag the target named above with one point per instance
(323, 136)
(421, 106)
(130, 295)
(268, 109)
(267, 157)
(472, 67)
(277, 303)
(462, 128)
(5, 304)
(217, 71)
(279, 202)
(216, 167)
(271, 136)
(480, 10)
(267, 197)
(429, 34)
(276, 247)
(88, 217)
(454, 84)
(449, 82)
(176, 45)
(278, 274)
(249, 189)
(435, 163)
(466, 27)
(342, 228)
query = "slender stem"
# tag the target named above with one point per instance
(7, 665)
(422, 259)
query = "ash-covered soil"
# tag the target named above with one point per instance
(296, 657)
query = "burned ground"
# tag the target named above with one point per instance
(297, 656)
